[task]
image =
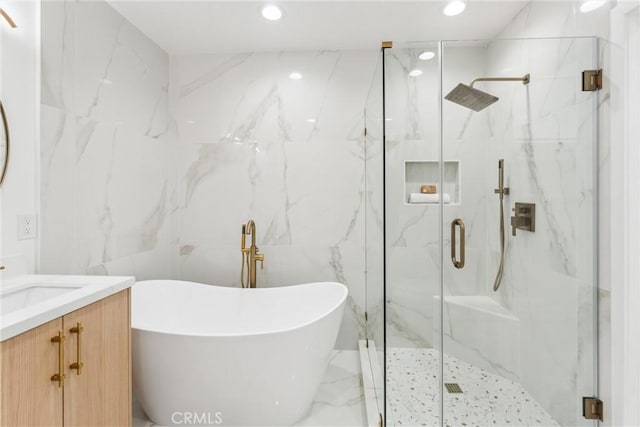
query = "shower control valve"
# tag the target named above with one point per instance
(524, 217)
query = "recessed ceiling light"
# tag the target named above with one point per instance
(271, 12)
(415, 73)
(295, 76)
(454, 7)
(589, 5)
(425, 56)
(311, 120)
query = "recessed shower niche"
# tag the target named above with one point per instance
(419, 173)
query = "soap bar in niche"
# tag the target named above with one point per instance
(428, 189)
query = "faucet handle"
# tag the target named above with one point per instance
(259, 257)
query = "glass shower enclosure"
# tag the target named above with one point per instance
(462, 346)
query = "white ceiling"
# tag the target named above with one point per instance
(237, 26)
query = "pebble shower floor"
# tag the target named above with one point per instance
(486, 400)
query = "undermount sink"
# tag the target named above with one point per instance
(31, 294)
(31, 300)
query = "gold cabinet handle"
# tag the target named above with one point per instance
(78, 364)
(60, 375)
(457, 263)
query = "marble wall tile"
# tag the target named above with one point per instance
(268, 103)
(105, 190)
(151, 265)
(222, 185)
(57, 54)
(289, 154)
(121, 75)
(58, 237)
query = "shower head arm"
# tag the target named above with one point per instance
(524, 79)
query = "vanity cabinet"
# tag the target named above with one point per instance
(97, 341)
(29, 397)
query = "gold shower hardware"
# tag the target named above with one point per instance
(250, 255)
(7, 146)
(524, 217)
(457, 263)
(60, 375)
(6, 16)
(524, 79)
(591, 80)
(592, 408)
(78, 365)
(501, 191)
(453, 387)
(477, 100)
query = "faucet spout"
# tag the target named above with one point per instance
(250, 228)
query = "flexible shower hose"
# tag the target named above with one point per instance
(496, 283)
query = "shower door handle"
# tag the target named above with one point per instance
(457, 263)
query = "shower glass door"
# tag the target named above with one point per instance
(520, 349)
(413, 243)
(458, 352)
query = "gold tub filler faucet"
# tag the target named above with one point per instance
(250, 255)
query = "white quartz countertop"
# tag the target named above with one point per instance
(50, 297)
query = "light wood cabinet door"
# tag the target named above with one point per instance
(29, 397)
(101, 394)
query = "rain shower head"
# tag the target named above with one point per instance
(469, 97)
(475, 99)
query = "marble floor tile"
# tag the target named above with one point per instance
(413, 397)
(339, 401)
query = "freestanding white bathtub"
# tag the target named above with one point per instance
(213, 355)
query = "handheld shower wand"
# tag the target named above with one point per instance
(245, 253)
(501, 191)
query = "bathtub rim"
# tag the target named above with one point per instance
(325, 314)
